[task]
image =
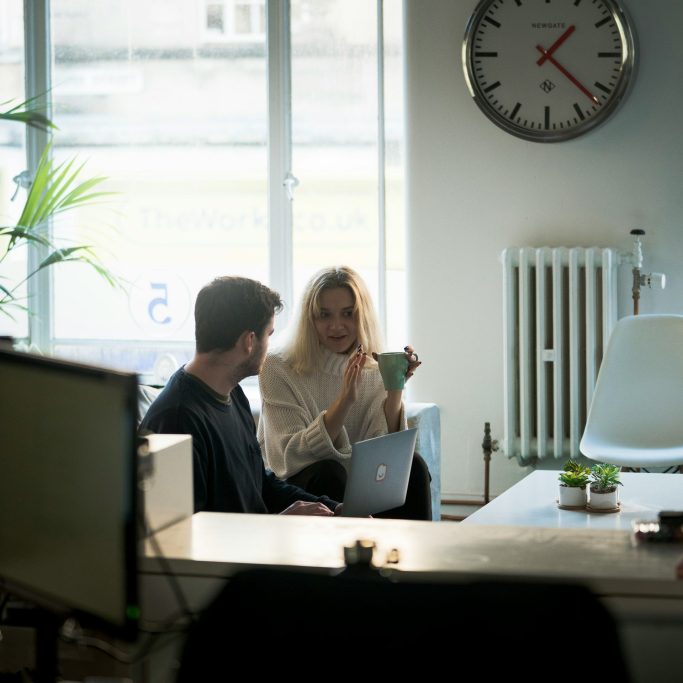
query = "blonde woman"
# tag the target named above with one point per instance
(323, 392)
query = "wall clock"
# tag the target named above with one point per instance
(548, 70)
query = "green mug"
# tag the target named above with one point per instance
(393, 367)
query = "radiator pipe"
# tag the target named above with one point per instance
(635, 290)
(488, 446)
(637, 263)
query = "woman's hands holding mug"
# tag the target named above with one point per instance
(397, 367)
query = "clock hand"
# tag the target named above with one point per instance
(564, 71)
(547, 53)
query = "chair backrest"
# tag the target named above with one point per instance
(636, 413)
(359, 627)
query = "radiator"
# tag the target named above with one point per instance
(560, 306)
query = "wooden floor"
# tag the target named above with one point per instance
(456, 513)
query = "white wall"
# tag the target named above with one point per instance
(474, 190)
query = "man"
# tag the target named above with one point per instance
(233, 323)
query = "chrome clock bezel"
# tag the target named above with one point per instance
(502, 118)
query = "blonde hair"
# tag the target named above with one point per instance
(303, 349)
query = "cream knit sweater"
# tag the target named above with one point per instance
(291, 428)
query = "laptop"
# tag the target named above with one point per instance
(379, 473)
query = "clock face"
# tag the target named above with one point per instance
(548, 70)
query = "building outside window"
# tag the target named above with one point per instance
(170, 101)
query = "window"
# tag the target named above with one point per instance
(179, 105)
(12, 155)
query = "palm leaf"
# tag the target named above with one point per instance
(78, 254)
(25, 113)
(6, 292)
(56, 189)
(20, 233)
(40, 182)
(63, 255)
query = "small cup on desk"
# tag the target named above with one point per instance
(393, 367)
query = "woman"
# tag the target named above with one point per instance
(323, 392)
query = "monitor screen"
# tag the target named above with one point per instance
(68, 488)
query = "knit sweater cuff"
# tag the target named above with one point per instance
(319, 443)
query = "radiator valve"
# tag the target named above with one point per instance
(640, 279)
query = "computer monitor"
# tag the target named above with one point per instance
(68, 484)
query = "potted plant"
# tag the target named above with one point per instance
(54, 189)
(573, 482)
(604, 487)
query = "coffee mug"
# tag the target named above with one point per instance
(393, 367)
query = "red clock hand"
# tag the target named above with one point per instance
(547, 53)
(564, 71)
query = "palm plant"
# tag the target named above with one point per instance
(54, 190)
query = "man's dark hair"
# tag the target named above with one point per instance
(229, 306)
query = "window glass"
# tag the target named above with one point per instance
(158, 98)
(334, 138)
(12, 161)
(394, 176)
(335, 146)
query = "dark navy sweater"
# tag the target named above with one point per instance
(228, 470)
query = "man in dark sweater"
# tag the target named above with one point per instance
(233, 323)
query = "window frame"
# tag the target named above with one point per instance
(281, 178)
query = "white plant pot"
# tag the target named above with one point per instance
(604, 501)
(573, 496)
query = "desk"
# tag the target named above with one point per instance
(637, 583)
(215, 545)
(532, 502)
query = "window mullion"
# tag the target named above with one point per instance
(280, 150)
(38, 81)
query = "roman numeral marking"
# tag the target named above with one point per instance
(602, 22)
(577, 109)
(547, 117)
(513, 113)
(492, 21)
(491, 87)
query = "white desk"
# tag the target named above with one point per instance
(532, 502)
(213, 546)
(637, 583)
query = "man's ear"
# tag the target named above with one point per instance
(246, 341)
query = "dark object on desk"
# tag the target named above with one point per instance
(669, 528)
(349, 627)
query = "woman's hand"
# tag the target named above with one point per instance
(336, 414)
(352, 372)
(413, 362)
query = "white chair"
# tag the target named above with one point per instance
(636, 414)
